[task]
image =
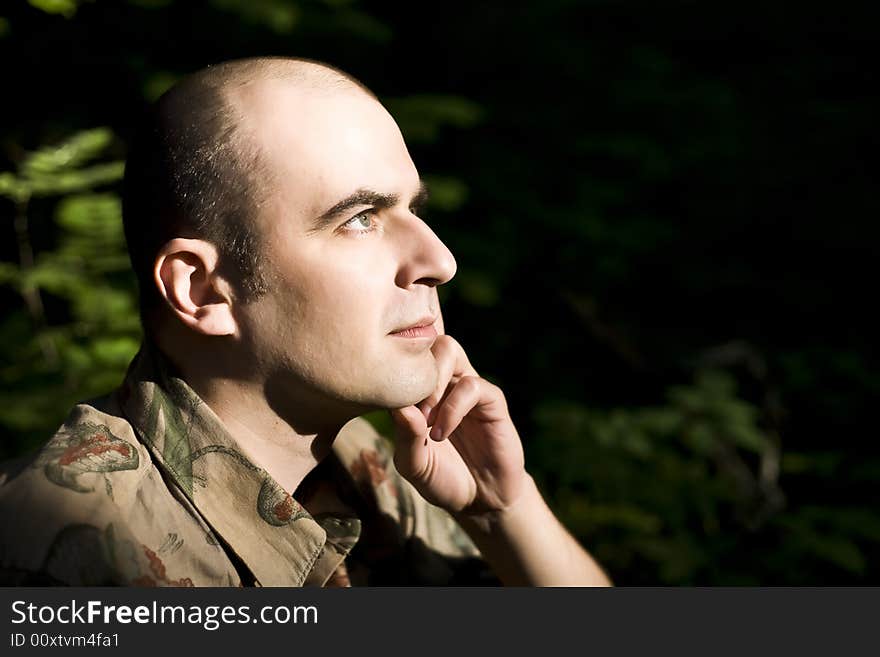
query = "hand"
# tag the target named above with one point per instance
(471, 461)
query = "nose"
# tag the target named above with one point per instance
(424, 259)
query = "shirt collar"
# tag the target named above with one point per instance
(275, 536)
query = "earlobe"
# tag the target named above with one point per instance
(216, 319)
(185, 272)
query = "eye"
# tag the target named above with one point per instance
(362, 222)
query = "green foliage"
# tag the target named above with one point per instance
(477, 288)
(158, 83)
(278, 15)
(66, 8)
(619, 204)
(48, 363)
(58, 169)
(74, 152)
(422, 116)
(446, 193)
(683, 491)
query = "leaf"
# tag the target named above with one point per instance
(91, 215)
(76, 180)
(840, 551)
(51, 275)
(477, 288)
(420, 117)
(446, 193)
(381, 422)
(158, 83)
(9, 273)
(279, 16)
(71, 153)
(66, 8)
(361, 25)
(113, 351)
(13, 188)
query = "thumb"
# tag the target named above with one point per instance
(411, 445)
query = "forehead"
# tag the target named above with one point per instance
(323, 144)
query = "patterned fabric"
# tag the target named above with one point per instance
(146, 487)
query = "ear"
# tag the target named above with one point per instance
(185, 271)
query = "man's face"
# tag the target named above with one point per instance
(341, 283)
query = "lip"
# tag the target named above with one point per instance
(423, 328)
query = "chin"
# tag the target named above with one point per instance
(407, 387)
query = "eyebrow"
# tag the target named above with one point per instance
(363, 197)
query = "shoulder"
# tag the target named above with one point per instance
(93, 459)
(65, 507)
(93, 448)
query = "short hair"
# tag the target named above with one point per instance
(194, 170)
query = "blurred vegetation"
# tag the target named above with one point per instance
(662, 214)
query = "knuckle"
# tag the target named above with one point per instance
(453, 342)
(498, 393)
(491, 390)
(494, 389)
(448, 344)
(443, 354)
(443, 343)
(470, 383)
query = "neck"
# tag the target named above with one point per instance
(285, 428)
(286, 435)
(267, 438)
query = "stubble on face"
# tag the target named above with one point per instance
(322, 331)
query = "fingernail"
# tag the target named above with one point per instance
(436, 432)
(426, 411)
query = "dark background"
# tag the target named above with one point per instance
(663, 213)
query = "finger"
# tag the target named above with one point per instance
(411, 446)
(438, 324)
(444, 351)
(469, 392)
(463, 365)
(452, 364)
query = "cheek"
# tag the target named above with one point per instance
(345, 305)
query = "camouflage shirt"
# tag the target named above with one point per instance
(146, 487)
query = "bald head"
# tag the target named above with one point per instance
(197, 167)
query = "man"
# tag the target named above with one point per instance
(287, 287)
